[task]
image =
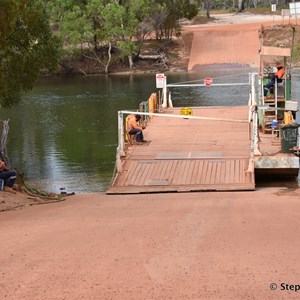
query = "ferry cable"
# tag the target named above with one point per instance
(201, 80)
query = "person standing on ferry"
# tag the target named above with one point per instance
(278, 75)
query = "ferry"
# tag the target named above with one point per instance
(211, 148)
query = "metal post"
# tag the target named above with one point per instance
(165, 99)
(255, 129)
(251, 158)
(253, 94)
(254, 150)
(250, 105)
(160, 101)
(295, 11)
(121, 142)
(254, 117)
(170, 100)
(276, 104)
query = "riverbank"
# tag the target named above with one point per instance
(236, 35)
(16, 198)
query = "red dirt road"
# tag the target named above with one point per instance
(225, 44)
(228, 43)
(159, 246)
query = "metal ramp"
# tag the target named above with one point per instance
(184, 175)
(190, 154)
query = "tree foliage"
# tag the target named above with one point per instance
(169, 12)
(99, 24)
(95, 28)
(26, 46)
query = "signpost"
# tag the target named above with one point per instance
(160, 81)
(294, 9)
(273, 9)
(208, 81)
(285, 13)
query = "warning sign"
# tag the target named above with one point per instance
(160, 81)
(187, 111)
(208, 81)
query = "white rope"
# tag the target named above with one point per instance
(182, 116)
(214, 78)
(212, 85)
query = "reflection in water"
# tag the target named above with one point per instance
(64, 133)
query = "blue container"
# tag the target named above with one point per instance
(274, 123)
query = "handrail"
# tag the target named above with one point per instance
(182, 116)
(253, 120)
(201, 84)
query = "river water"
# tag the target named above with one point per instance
(63, 135)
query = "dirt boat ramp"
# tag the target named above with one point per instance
(228, 39)
(209, 245)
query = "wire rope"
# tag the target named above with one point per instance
(201, 80)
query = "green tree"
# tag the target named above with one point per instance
(89, 27)
(132, 13)
(169, 12)
(27, 46)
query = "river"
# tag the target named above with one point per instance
(63, 135)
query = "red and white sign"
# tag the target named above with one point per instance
(160, 81)
(208, 81)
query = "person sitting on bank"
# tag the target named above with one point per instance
(133, 128)
(278, 75)
(9, 176)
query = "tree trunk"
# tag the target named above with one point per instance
(3, 152)
(109, 57)
(130, 61)
(240, 6)
(140, 44)
(207, 13)
(207, 7)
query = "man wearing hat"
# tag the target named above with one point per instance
(278, 75)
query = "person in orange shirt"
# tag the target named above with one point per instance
(133, 127)
(9, 176)
(278, 75)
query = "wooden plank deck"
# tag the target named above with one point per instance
(189, 155)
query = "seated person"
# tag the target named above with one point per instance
(278, 75)
(133, 127)
(9, 176)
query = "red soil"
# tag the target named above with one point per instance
(224, 43)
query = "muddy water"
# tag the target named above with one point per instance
(63, 135)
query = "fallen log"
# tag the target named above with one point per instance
(153, 57)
